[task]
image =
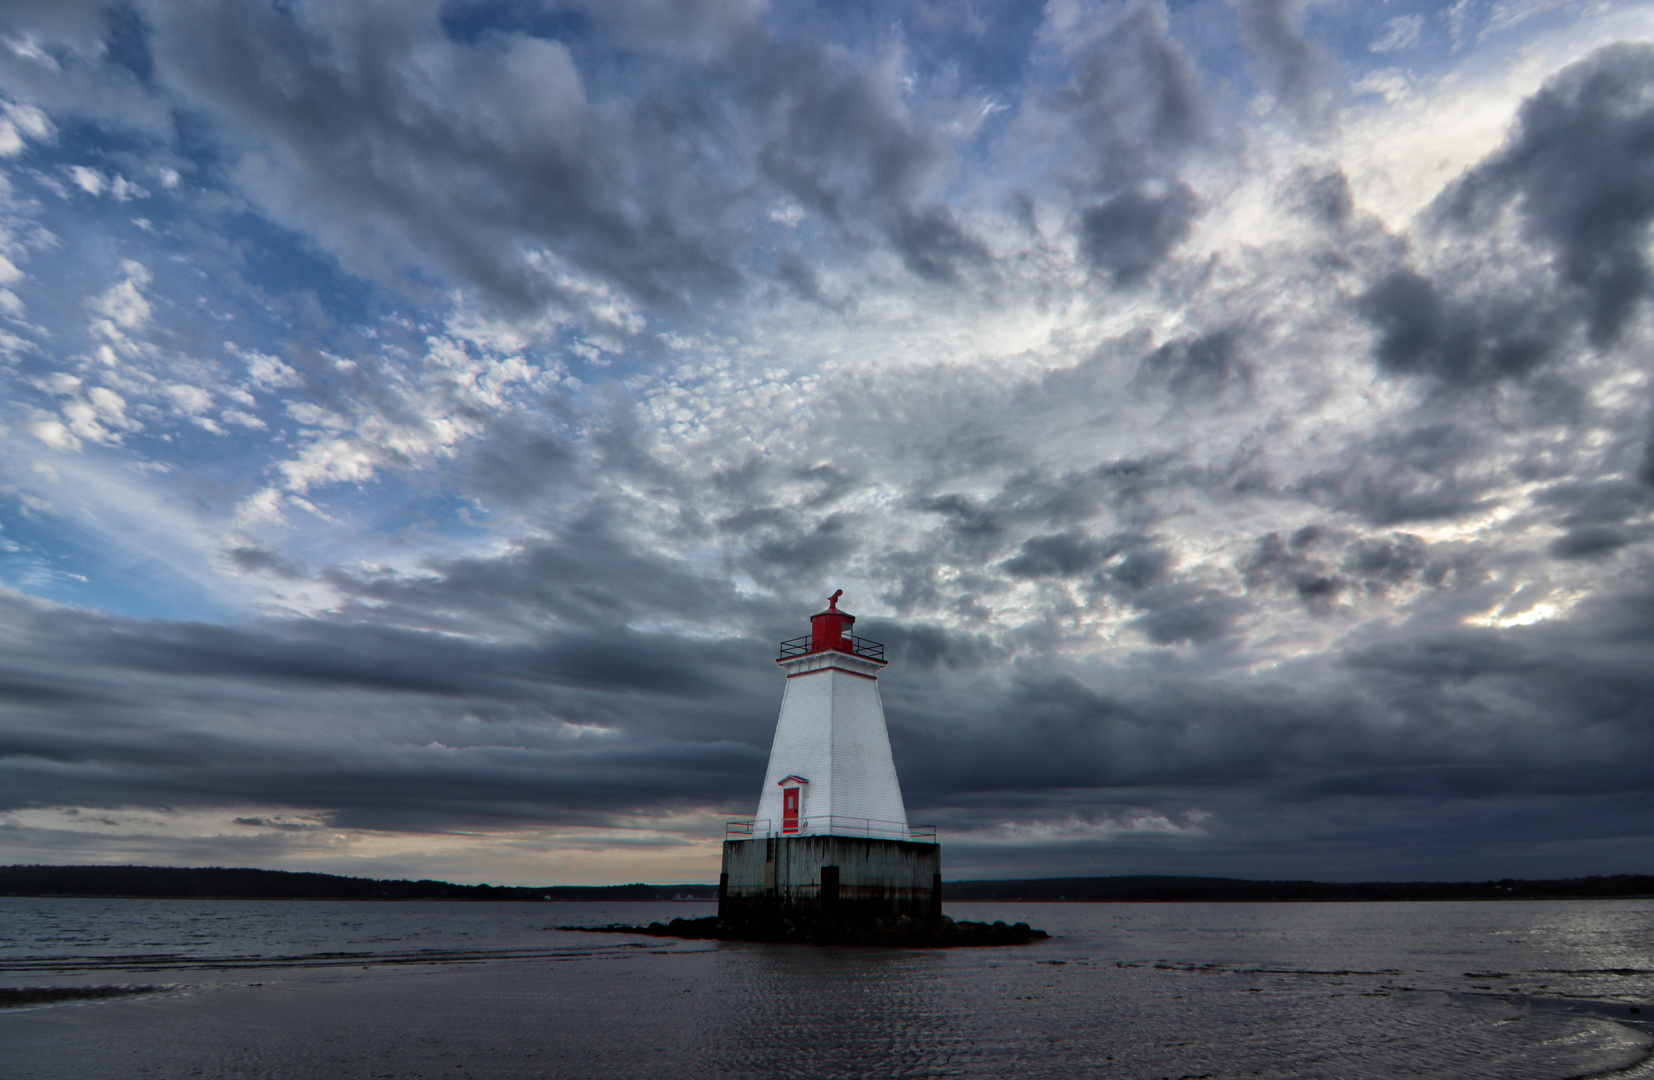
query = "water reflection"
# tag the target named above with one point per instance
(796, 1011)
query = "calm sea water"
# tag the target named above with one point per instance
(320, 989)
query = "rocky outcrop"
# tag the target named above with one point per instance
(894, 933)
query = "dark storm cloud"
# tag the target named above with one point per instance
(1198, 368)
(1322, 568)
(518, 460)
(1134, 101)
(370, 125)
(383, 658)
(1474, 339)
(1144, 563)
(795, 272)
(1059, 555)
(1181, 613)
(342, 716)
(259, 560)
(1135, 111)
(1380, 563)
(1128, 235)
(1442, 713)
(1577, 172)
(838, 140)
(1600, 518)
(1294, 70)
(1124, 565)
(1291, 563)
(825, 544)
(1434, 471)
(1325, 196)
(588, 575)
(376, 131)
(975, 528)
(1580, 171)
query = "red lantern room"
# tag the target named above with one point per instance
(831, 629)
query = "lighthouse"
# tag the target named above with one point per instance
(831, 834)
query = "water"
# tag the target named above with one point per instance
(298, 989)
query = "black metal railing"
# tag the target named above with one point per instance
(855, 646)
(835, 825)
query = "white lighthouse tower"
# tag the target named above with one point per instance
(831, 833)
(830, 768)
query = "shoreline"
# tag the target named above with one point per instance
(222, 883)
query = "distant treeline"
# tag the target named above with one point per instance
(180, 882)
(1199, 888)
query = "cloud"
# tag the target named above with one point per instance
(1296, 71)
(1065, 555)
(257, 560)
(1200, 368)
(504, 161)
(1471, 340)
(1325, 196)
(1128, 235)
(78, 56)
(1186, 614)
(1401, 32)
(1516, 315)
(370, 128)
(1133, 102)
(1577, 171)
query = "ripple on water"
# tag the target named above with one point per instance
(1352, 991)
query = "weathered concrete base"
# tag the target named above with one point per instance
(897, 933)
(842, 876)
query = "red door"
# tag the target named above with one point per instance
(789, 810)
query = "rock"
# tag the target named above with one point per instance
(898, 933)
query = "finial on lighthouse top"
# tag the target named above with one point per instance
(832, 601)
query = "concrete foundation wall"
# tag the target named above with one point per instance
(863, 875)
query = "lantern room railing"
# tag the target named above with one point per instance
(832, 825)
(855, 646)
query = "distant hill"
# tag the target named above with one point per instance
(1166, 889)
(180, 882)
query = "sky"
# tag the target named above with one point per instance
(422, 420)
